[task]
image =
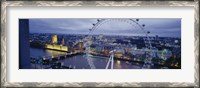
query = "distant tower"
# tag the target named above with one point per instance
(63, 41)
(54, 39)
(80, 45)
(156, 37)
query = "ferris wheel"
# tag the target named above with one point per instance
(137, 30)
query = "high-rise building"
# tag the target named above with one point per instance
(24, 55)
(55, 45)
(54, 39)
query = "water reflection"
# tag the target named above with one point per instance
(118, 62)
(80, 61)
(36, 52)
(118, 65)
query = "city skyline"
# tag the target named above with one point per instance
(75, 50)
(165, 27)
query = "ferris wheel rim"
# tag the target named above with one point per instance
(131, 20)
(103, 20)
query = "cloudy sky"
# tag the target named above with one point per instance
(167, 27)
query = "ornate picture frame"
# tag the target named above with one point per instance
(4, 45)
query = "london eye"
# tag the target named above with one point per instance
(137, 29)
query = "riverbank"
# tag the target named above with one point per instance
(140, 62)
(80, 61)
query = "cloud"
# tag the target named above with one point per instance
(162, 26)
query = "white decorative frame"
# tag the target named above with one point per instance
(5, 4)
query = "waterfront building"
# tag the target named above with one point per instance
(138, 51)
(120, 50)
(118, 55)
(55, 45)
(165, 54)
(99, 48)
(159, 54)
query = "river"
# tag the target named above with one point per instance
(80, 61)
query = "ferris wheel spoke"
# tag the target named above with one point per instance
(138, 30)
